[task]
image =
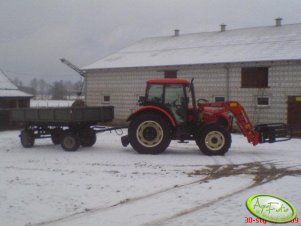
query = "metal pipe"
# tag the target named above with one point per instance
(227, 82)
(223, 27)
(85, 87)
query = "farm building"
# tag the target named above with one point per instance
(260, 67)
(10, 97)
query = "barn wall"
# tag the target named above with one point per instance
(284, 81)
(125, 87)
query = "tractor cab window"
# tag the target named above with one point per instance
(155, 93)
(176, 101)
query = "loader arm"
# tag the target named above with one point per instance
(263, 133)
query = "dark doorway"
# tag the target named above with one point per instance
(294, 113)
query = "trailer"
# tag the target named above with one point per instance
(68, 126)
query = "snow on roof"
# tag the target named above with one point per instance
(8, 89)
(5, 83)
(13, 93)
(271, 43)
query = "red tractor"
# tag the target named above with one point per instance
(170, 111)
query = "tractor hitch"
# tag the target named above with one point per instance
(273, 132)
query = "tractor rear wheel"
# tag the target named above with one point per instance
(149, 134)
(213, 140)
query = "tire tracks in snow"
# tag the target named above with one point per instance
(122, 202)
(262, 172)
(264, 175)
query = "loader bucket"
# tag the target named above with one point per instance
(274, 132)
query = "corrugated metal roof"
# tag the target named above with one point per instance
(8, 89)
(270, 43)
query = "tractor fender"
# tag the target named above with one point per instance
(153, 109)
(225, 121)
(208, 124)
(221, 118)
(205, 125)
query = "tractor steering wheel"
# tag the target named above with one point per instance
(199, 101)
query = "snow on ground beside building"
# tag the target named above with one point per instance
(108, 184)
(51, 103)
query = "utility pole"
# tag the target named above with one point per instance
(78, 70)
(72, 66)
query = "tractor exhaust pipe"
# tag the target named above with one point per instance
(195, 109)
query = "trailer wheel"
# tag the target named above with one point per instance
(149, 134)
(70, 141)
(56, 136)
(87, 137)
(213, 140)
(27, 138)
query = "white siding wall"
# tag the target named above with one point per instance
(284, 80)
(210, 81)
(124, 89)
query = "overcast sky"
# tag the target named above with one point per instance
(35, 34)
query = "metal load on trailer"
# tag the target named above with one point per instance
(63, 116)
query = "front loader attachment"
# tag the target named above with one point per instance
(274, 132)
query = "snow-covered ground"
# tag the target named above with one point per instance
(108, 184)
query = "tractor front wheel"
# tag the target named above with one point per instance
(149, 134)
(213, 140)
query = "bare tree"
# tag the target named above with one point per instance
(78, 87)
(42, 88)
(69, 88)
(34, 85)
(58, 91)
(17, 82)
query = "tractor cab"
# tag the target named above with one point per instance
(170, 95)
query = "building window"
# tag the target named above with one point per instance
(254, 77)
(170, 74)
(219, 99)
(263, 101)
(106, 99)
